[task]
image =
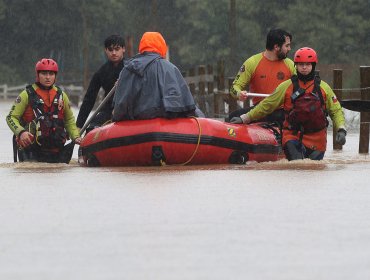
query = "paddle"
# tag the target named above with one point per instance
(67, 152)
(356, 105)
(353, 105)
(252, 94)
(15, 149)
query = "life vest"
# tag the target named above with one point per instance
(48, 125)
(308, 113)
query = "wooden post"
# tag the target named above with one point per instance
(210, 84)
(202, 88)
(129, 46)
(218, 97)
(364, 117)
(221, 75)
(191, 84)
(337, 86)
(210, 92)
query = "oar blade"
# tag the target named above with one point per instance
(356, 105)
(67, 152)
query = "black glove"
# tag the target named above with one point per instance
(341, 136)
(236, 120)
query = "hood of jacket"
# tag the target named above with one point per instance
(139, 63)
(153, 42)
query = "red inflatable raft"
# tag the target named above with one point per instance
(179, 141)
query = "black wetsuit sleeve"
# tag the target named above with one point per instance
(89, 100)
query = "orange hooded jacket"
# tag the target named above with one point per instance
(153, 42)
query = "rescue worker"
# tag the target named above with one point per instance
(306, 101)
(150, 86)
(105, 77)
(41, 117)
(264, 71)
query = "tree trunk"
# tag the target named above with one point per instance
(85, 45)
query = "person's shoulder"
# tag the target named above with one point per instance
(288, 61)
(106, 65)
(29, 89)
(325, 86)
(290, 64)
(24, 92)
(284, 85)
(22, 97)
(251, 63)
(59, 89)
(165, 61)
(151, 59)
(323, 83)
(254, 58)
(167, 65)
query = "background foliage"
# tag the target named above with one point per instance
(197, 31)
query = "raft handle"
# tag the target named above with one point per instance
(238, 157)
(158, 157)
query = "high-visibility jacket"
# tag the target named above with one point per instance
(21, 112)
(262, 75)
(282, 96)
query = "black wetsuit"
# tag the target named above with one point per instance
(105, 77)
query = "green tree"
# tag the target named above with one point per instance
(338, 30)
(72, 31)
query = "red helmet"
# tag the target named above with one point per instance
(46, 64)
(305, 55)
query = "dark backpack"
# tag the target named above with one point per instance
(308, 113)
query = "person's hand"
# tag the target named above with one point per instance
(78, 140)
(341, 136)
(243, 95)
(236, 120)
(25, 139)
(242, 119)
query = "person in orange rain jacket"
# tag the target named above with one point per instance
(149, 86)
(41, 118)
(306, 101)
(264, 71)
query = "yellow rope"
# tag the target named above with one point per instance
(198, 142)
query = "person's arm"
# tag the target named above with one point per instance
(13, 119)
(89, 100)
(267, 105)
(336, 114)
(242, 79)
(69, 119)
(333, 107)
(16, 112)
